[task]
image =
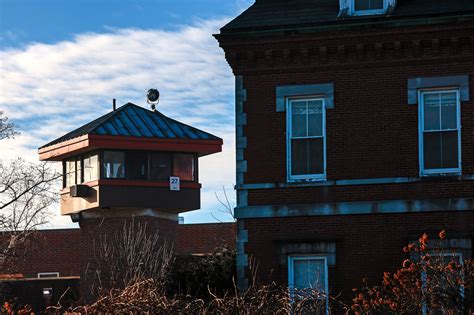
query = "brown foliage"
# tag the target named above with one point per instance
(432, 279)
(147, 296)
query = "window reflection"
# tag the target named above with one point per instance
(183, 166)
(136, 165)
(114, 164)
(160, 165)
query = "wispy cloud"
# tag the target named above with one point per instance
(49, 89)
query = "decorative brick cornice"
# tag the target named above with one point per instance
(351, 48)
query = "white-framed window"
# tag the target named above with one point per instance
(309, 272)
(48, 274)
(368, 7)
(439, 132)
(306, 139)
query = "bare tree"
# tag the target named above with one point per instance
(26, 192)
(7, 128)
(227, 207)
(25, 196)
(130, 255)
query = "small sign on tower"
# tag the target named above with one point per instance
(174, 183)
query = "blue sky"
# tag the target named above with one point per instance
(49, 21)
(62, 62)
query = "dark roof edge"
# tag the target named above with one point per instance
(351, 24)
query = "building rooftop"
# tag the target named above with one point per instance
(284, 14)
(135, 121)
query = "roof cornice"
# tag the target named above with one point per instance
(350, 23)
(86, 143)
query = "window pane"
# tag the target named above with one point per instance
(114, 164)
(432, 150)
(90, 167)
(70, 172)
(299, 157)
(449, 154)
(298, 118)
(440, 150)
(183, 166)
(316, 156)
(307, 156)
(376, 4)
(431, 111)
(448, 111)
(160, 166)
(315, 118)
(309, 273)
(362, 5)
(136, 165)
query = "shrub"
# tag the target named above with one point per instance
(195, 275)
(431, 280)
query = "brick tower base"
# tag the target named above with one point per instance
(97, 228)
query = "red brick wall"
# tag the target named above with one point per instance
(204, 238)
(372, 132)
(53, 251)
(60, 250)
(366, 245)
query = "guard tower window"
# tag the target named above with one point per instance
(114, 164)
(70, 172)
(160, 166)
(90, 165)
(183, 166)
(136, 165)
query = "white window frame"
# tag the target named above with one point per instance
(48, 275)
(441, 171)
(291, 274)
(353, 11)
(289, 130)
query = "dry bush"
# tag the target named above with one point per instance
(194, 275)
(127, 257)
(147, 296)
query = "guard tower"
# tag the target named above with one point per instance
(130, 163)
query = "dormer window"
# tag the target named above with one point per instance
(365, 7)
(368, 6)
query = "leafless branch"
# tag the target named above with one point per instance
(7, 128)
(130, 255)
(227, 207)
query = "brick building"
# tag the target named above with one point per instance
(53, 264)
(349, 138)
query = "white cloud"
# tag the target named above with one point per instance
(50, 89)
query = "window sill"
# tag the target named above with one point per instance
(441, 173)
(306, 180)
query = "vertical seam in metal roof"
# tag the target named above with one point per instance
(165, 119)
(125, 116)
(155, 129)
(143, 122)
(163, 125)
(123, 126)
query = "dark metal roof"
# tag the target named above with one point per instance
(277, 14)
(135, 121)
